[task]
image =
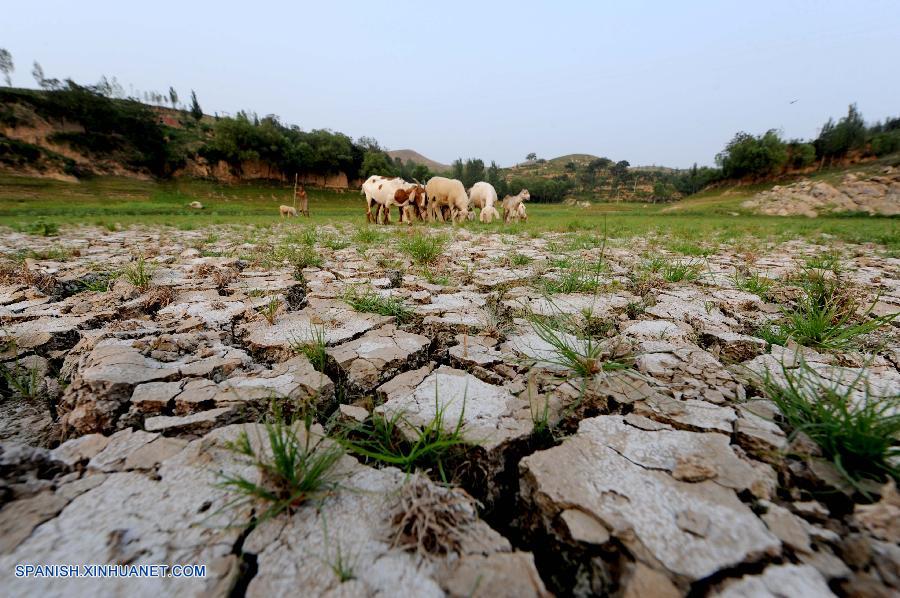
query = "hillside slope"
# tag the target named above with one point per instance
(408, 155)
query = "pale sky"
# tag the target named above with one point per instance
(651, 82)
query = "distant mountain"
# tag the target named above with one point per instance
(408, 155)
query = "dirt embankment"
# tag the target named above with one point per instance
(877, 194)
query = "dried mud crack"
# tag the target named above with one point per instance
(616, 435)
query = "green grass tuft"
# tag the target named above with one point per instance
(586, 357)
(371, 302)
(858, 434)
(380, 439)
(139, 273)
(423, 249)
(292, 471)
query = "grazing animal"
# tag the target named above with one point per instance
(521, 214)
(287, 211)
(511, 204)
(442, 192)
(386, 192)
(482, 195)
(488, 214)
(411, 201)
(196, 205)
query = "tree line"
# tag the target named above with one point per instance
(767, 155)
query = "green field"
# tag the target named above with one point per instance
(691, 226)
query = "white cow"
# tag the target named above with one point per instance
(443, 192)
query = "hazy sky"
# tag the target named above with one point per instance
(651, 82)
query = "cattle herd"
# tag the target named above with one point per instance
(440, 199)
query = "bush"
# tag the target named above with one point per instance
(837, 139)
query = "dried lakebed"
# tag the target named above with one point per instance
(601, 410)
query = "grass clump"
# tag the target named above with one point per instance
(139, 273)
(21, 378)
(753, 282)
(824, 316)
(335, 242)
(435, 277)
(313, 348)
(586, 357)
(293, 468)
(857, 430)
(269, 309)
(423, 249)
(367, 236)
(681, 271)
(577, 277)
(431, 520)
(394, 440)
(371, 302)
(300, 257)
(41, 227)
(520, 259)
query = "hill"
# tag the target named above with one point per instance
(408, 155)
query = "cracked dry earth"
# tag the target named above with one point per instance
(671, 477)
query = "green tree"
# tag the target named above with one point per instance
(196, 111)
(836, 140)
(173, 97)
(377, 162)
(620, 169)
(6, 65)
(800, 154)
(530, 157)
(747, 155)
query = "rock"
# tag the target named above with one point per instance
(196, 423)
(80, 450)
(19, 519)
(353, 413)
(882, 519)
(377, 356)
(489, 414)
(796, 581)
(337, 321)
(644, 581)
(690, 414)
(731, 346)
(619, 477)
(26, 470)
(486, 415)
(658, 330)
(786, 526)
(102, 387)
(758, 434)
(177, 516)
